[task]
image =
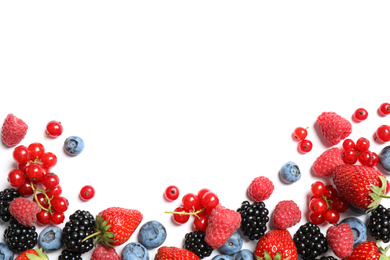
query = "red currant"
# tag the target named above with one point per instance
(210, 201)
(330, 192)
(57, 217)
(49, 160)
(60, 204)
(375, 159)
(25, 189)
(54, 128)
(35, 172)
(384, 109)
(21, 154)
(16, 178)
(383, 133)
(200, 223)
(171, 193)
(202, 192)
(318, 206)
(299, 134)
(362, 144)
(348, 144)
(305, 146)
(55, 192)
(36, 150)
(365, 158)
(50, 180)
(360, 114)
(191, 202)
(340, 204)
(350, 156)
(42, 200)
(43, 217)
(318, 220)
(318, 189)
(87, 192)
(331, 216)
(180, 218)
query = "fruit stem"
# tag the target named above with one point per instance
(36, 197)
(92, 235)
(195, 213)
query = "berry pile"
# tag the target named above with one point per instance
(299, 134)
(33, 176)
(359, 151)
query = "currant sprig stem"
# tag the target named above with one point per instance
(35, 190)
(195, 213)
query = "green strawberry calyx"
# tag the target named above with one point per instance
(377, 194)
(41, 255)
(102, 235)
(383, 251)
(266, 256)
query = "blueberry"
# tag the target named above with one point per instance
(73, 145)
(222, 257)
(384, 158)
(50, 238)
(290, 172)
(5, 252)
(135, 251)
(244, 254)
(358, 228)
(152, 234)
(232, 246)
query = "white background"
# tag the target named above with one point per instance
(198, 94)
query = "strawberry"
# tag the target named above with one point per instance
(276, 244)
(362, 186)
(327, 161)
(32, 254)
(333, 127)
(340, 239)
(174, 253)
(368, 250)
(115, 225)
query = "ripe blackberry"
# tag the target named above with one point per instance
(379, 224)
(6, 196)
(327, 258)
(254, 218)
(310, 242)
(20, 238)
(69, 255)
(80, 225)
(194, 241)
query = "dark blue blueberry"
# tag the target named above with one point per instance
(152, 234)
(290, 172)
(222, 257)
(50, 238)
(358, 228)
(5, 252)
(135, 251)
(73, 145)
(244, 254)
(384, 158)
(232, 246)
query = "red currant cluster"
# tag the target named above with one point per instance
(299, 135)
(325, 204)
(33, 176)
(359, 151)
(198, 205)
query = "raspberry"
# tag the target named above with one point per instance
(286, 214)
(222, 223)
(13, 130)
(340, 239)
(24, 210)
(102, 252)
(327, 161)
(260, 188)
(333, 127)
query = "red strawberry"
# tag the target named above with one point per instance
(286, 214)
(35, 254)
(260, 188)
(362, 186)
(368, 250)
(222, 223)
(101, 252)
(174, 253)
(340, 239)
(24, 210)
(13, 130)
(327, 161)
(115, 225)
(276, 244)
(333, 127)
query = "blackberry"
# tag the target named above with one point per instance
(327, 258)
(194, 242)
(6, 196)
(69, 255)
(80, 225)
(379, 224)
(310, 242)
(254, 219)
(20, 238)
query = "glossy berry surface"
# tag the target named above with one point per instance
(362, 144)
(305, 146)
(384, 109)
(350, 156)
(360, 114)
(383, 133)
(54, 128)
(299, 134)
(171, 193)
(87, 192)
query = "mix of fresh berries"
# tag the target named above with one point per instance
(35, 197)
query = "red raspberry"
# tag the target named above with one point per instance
(101, 252)
(260, 188)
(333, 127)
(24, 210)
(222, 223)
(327, 161)
(286, 214)
(340, 239)
(13, 130)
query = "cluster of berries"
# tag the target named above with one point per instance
(359, 151)
(299, 134)
(325, 204)
(33, 176)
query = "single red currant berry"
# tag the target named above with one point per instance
(54, 128)
(21, 154)
(60, 204)
(200, 223)
(55, 192)
(318, 220)
(318, 206)
(332, 216)
(348, 144)
(210, 200)
(25, 189)
(350, 156)
(36, 151)
(340, 204)
(87, 192)
(202, 192)
(365, 157)
(383, 133)
(50, 180)
(305, 146)
(171, 193)
(35, 172)
(49, 160)
(16, 178)
(360, 115)
(57, 217)
(317, 188)
(43, 217)
(180, 216)
(362, 144)
(191, 202)
(384, 109)
(299, 134)
(41, 199)
(330, 192)
(375, 159)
